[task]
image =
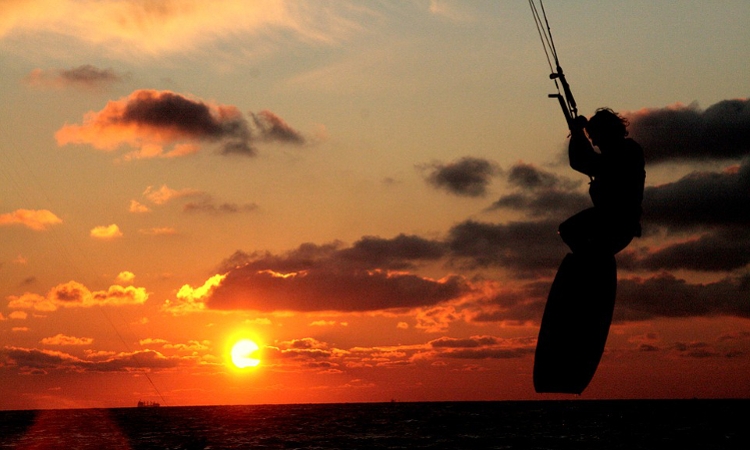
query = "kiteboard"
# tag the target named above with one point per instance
(575, 324)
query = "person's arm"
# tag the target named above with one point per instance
(581, 153)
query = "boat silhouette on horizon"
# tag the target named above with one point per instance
(147, 404)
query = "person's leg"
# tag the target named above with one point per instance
(579, 231)
(589, 232)
(618, 242)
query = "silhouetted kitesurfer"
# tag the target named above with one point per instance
(617, 180)
(581, 301)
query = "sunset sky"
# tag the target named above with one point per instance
(369, 190)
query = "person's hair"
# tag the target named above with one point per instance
(609, 123)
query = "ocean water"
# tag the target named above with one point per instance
(576, 424)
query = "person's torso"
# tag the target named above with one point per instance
(617, 187)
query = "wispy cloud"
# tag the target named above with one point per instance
(165, 194)
(86, 77)
(158, 231)
(202, 203)
(132, 28)
(451, 10)
(38, 220)
(208, 205)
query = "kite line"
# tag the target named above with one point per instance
(567, 102)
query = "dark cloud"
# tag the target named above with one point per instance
(186, 117)
(312, 356)
(369, 253)
(333, 277)
(734, 336)
(715, 203)
(273, 128)
(701, 199)
(638, 299)
(25, 358)
(698, 350)
(530, 177)
(28, 281)
(69, 293)
(372, 275)
(308, 351)
(321, 290)
(90, 75)
(356, 278)
(140, 360)
(525, 247)
(472, 342)
(541, 193)
(207, 205)
(86, 76)
(304, 257)
(483, 347)
(466, 177)
(36, 359)
(150, 119)
(665, 295)
(520, 304)
(489, 353)
(398, 253)
(724, 249)
(722, 131)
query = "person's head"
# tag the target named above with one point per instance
(606, 126)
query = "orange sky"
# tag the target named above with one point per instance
(370, 192)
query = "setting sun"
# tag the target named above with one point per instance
(241, 354)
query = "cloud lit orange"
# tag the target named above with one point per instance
(165, 124)
(61, 339)
(164, 194)
(37, 220)
(106, 232)
(191, 299)
(74, 294)
(148, 120)
(127, 28)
